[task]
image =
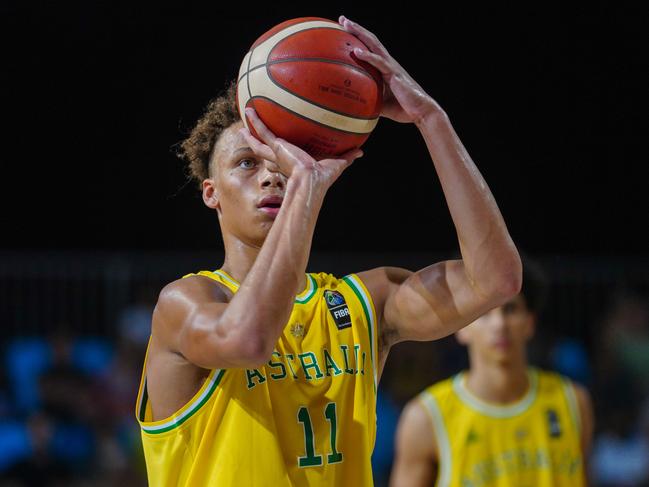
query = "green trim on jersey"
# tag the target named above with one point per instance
(369, 317)
(302, 298)
(143, 400)
(193, 408)
(226, 277)
(306, 295)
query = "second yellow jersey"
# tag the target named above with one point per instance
(534, 442)
(307, 417)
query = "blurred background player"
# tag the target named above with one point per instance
(502, 422)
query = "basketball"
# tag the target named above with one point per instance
(309, 88)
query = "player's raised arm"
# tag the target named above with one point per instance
(196, 319)
(446, 296)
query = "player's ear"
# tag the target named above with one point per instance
(210, 194)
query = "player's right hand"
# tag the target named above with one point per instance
(292, 160)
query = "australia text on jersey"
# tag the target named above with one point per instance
(310, 365)
(513, 462)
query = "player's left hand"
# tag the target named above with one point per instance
(403, 99)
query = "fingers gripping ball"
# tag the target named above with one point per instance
(307, 85)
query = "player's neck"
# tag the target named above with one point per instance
(498, 382)
(240, 257)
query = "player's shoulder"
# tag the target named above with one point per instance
(439, 391)
(381, 282)
(417, 413)
(422, 414)
(192, 288)
(180, 297)
(324, 280)
(416, 432)
(384, 275)
(550, 381)
(356, 282)
(572, 386)
(547, 377)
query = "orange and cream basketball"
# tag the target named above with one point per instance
(309, 88)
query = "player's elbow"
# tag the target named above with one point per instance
(230, 348)
(507, 281)
(509, 286)
(249, 352)
(246, 344)
(254, 352)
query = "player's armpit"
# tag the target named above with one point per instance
(415, 462)
(188, 320)
(381, 282)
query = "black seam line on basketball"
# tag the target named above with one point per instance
(312, 59)
(298, 59)
(299, 32)
(351, 115)
(291, 35)
(307, 118)
(248, 77)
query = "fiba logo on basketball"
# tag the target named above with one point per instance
(308, 87)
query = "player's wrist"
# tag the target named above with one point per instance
(432, 115)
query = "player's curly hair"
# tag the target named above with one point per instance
(195, 150)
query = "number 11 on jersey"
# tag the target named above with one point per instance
(311, 459)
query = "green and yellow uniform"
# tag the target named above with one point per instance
(307, 417)
(534, 442)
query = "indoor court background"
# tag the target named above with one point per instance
(96, 216)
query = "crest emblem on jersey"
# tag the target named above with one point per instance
(297, 330)
(338, 309)
(553, 423)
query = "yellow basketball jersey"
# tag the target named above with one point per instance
(534, 442)
(307, 417)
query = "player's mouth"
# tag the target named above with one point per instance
(270, 205)
(502, 343)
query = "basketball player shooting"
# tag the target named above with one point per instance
(258, 373)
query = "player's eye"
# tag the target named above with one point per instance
(247, 163)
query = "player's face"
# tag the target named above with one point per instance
(502, 333)
(245, 190)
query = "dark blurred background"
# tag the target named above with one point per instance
(97, 216)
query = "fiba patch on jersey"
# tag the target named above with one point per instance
(338, 309)
(553, 423)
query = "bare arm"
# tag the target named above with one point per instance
(415, 462)
(444, 297)
(587, 420)
(212, 333)
(441, 298)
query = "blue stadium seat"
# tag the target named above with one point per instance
(26, 359)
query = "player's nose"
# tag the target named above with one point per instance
(271, 175)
